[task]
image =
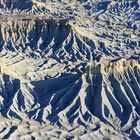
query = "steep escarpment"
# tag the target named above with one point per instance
(67, 41)
(21, 35)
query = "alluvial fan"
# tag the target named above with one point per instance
(70, 69)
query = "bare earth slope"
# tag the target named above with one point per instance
(70, 69)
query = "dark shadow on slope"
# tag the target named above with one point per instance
(8, 100)
(134, 136)
(57, 92)
(12, 129)
(18, 4)
(116, 107)
(94, 97)
(62, 32)
(66, 100)
(121, 98)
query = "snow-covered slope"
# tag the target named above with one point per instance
(69, 69)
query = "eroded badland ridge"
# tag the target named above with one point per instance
(69, 69)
